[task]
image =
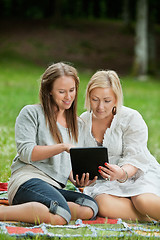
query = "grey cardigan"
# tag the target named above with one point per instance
(31, 130)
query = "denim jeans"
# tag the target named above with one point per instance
(37, 190)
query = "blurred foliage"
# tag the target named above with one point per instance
(62, 9)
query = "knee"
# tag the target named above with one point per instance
(55, 220)
(141, 203)
(90, 207)
(85, 212)
(43, 215)
(103, 202)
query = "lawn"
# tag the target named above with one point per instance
(19, 85)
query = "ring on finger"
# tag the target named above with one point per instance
(108, 178)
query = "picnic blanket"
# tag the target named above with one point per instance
(80, 228)
(3, 194)
(101, 227)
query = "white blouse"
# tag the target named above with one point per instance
(126, 141)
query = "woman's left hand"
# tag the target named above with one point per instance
(84, 181)
(111, 172)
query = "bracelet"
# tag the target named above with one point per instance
(123, 180)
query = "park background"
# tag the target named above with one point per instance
(121, 35)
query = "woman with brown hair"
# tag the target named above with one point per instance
(44, 134)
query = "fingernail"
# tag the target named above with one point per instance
(105, 164)
(99, 167)
(99, 171)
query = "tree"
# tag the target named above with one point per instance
(140, 67)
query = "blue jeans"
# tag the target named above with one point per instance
(37, 190)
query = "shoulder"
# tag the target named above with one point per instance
(85, 116)
(80, 122)
(31, 109)
(128, 116)
(30, 112)
(129, 113)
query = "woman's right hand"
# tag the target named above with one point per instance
(68, 146)
(43, 152)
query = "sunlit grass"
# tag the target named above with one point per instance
(145, 97)
(19, 82)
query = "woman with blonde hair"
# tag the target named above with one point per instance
(130, 189)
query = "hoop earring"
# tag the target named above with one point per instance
(114, 110)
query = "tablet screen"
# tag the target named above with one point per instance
(87, 160)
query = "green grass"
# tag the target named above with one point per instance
(145, 97)
(19, 86)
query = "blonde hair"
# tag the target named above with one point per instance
(105, 79)
(53, 72)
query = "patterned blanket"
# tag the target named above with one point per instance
(101, 227)
(82, 229)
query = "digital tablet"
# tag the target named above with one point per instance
(87, 160)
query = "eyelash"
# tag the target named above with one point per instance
(95, 100)
(72, 90)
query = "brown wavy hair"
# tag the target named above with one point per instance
(53, 72)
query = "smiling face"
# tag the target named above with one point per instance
(102, 101)
(64, 92)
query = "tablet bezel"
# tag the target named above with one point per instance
(88, 159)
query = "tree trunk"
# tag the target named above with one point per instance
(140, 67)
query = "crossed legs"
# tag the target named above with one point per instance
(119, 207)
(144, 207)
(37, 201)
